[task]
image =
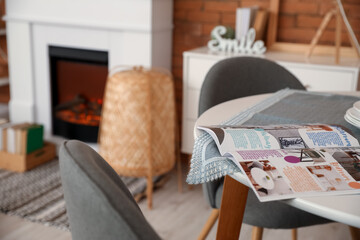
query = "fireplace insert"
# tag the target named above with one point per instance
(78, 80)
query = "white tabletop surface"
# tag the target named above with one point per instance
(344, 208)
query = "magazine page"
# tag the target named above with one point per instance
(236, 138)
(289, 173)
(327, 136)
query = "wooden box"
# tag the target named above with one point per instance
(22, 163)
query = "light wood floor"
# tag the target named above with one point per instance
(175, 216)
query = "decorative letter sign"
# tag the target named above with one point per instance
(245, 45)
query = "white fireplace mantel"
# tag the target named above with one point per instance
(136, 15)
(133, 32)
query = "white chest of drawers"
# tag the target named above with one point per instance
(320, 73)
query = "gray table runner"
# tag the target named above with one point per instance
(284, 107)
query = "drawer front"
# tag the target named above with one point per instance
(187, 142)
(197, 70)
(325, 79)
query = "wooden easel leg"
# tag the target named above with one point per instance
(339, 18)
(209, 224)
(232, 209)
(354, 42)
(320, 31)
(338, 36)
(149, 191)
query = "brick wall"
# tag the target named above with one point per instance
(298, 22)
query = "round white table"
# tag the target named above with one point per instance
(343, 208)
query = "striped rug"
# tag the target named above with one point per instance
(37, 195)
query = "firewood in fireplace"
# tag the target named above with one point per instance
(78, 99)
(80, 110)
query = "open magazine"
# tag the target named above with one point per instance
(287, 161)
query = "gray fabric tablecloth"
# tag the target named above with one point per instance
(284, 107)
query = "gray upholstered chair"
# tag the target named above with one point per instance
(99, 205)
(240, 77)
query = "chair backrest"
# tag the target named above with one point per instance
(240, 77)
(99, 205)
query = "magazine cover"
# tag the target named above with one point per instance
(286, 161)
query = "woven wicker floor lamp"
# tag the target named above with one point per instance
(137, 130)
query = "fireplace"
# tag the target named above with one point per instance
(131, 32)
(78, 80)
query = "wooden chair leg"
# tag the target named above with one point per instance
(179, 174)
(257, 233)
(294, 234)
(209, 224)
(178, 155)
(320, 31)
(355, 233)
(149, 191)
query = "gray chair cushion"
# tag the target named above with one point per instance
(240, 77)
(99, 205)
